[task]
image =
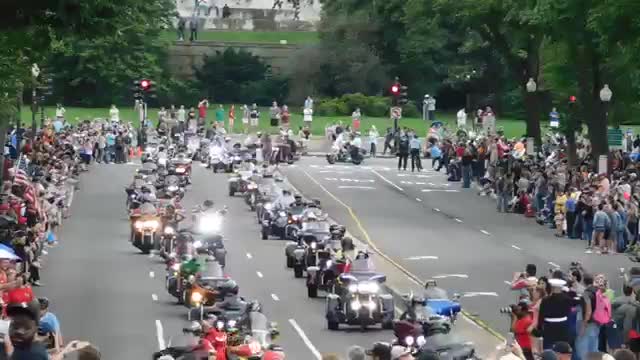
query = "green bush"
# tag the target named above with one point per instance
(410, 110)
(332, 107)
(375, 106)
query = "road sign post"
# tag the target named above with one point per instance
(396, 114)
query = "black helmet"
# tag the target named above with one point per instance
(207, 203)
(145, 189)
(297, 197)
(44, 302)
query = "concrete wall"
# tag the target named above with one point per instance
(184, 56)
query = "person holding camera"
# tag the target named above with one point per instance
(521, 321)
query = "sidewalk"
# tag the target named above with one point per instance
(398, 284)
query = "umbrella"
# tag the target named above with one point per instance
(4, 254)
(7, 248)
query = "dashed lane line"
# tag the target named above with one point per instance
(387, 180)
(458, 220)
(152, 274)
(305, 339)
(249, 256)
(485, 232)
(259, 274)
(418, 200)
(154, 297)
(275, 297)
(516, 247)
(160, 335)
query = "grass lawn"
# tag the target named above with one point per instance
(512, 127)
(268, 37)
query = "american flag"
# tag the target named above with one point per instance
(21, 176)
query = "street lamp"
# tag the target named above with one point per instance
(35, 72)
(605, 96)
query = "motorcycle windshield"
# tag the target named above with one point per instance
(259, 327)
(315, 227)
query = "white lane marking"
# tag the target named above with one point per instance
(160, 335)
(444, 276)
(474, 294)
(387, 180)
(436, 209)
(439, 190)
(554, 264)
(428, 257)
(507, 282)
(418, 200)
(485, 232)
(249, 256)
(259, 274)
(275, 297)
(305, 339)
(154, 297)
(458, 220)
(516, 247)
(152, 274)
(356, 187)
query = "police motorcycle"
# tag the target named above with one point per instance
(207, 234)
(219, 156)
(253, 195)
(190, 345)
(296, 217)
(358, 298)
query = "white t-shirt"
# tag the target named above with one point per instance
(462, 118)
(60, 112)
(308, 114)
(114, 114)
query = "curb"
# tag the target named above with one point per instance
(396, 294)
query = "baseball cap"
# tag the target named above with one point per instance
(399, 351)
(31, 309)
(562, 347)
(381, 350)
(549, 355)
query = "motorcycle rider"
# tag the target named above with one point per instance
(189, 266)
(297, 202)
(171, 217)
(232, 300)
(147, 197)
(284, 201)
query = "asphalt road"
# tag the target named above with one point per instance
(106, 292)
(436, 229)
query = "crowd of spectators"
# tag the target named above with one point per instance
(41, 172)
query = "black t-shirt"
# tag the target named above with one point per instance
(34, 352)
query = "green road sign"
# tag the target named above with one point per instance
(614, 137)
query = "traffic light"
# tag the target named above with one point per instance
(145, 85)
(395, 89)
(399, 94)
(142, 89)
(402, 97)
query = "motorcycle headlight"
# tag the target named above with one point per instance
(169, 230)
(151, 224)
(295, 217)
(420, 340)
(175, 267)
(180, 170)
(268, 206)
(173, 254)
(231, 323)
(139, 225)
(409, 340)
(371, 305)
(172, 188)
(368, 287)
(353, 288)
(196, 297)
(356, 305)
(313, 245)
(211, 224)
(252, 186)
(197, 244)
(282, 213)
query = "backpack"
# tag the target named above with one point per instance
(602, 310)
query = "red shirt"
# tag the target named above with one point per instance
(20, 295)
(520, 331)
(4, 280)
(202, 111)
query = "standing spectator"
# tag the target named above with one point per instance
(467, 162)
(182, 24)
(461, 118)
(102, 144)
(430, 103)
(254, 116)
(625, 310)
(274, 114)
(570, 213)
(588, 330)
(193, 27)
(388, 137)
(553, 321)
(403, 152)
(554, 118)
(49, 323)
(111, 147)
(191, 116)
(22, 331)
(489, 121)
(226, 11)
(182, 116)
(447, 150)
(373, 140)
(220, 116)
(621, 228)
(414, 148)
(308, 103)
(560, 210)
(521, 322)
(202, 112)
(436, 155)
(246, 114)
(114, 114)
(285, 116)
(355, 119)
(307, 116)
(162, 114)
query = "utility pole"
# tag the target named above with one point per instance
(35, 73)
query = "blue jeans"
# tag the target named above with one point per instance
(587, 231)
(540, 201)
(503, 200)
(466, 176)
(109, 153)
(620, 240)
(588, 342)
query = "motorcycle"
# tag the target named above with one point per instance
(323, 275)
(352, 154)
(145, 236)
(239, 182)
(274, 223)
(253, 195)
